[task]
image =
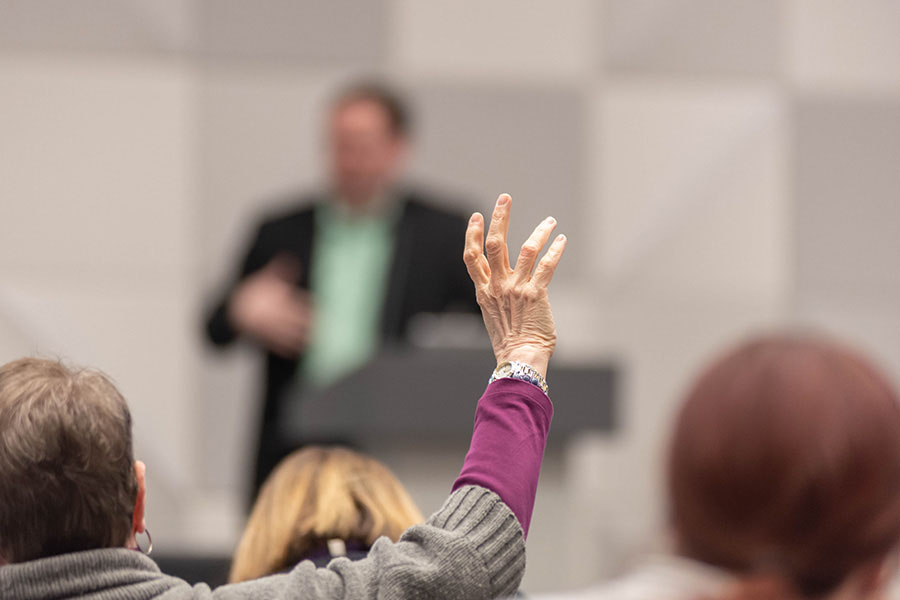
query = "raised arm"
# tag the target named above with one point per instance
(512, 419)
(473, 547)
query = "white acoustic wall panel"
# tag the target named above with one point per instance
(96, 165)
(693, 191)
(95, 240)
(837, 46)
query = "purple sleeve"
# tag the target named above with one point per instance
(511, 425)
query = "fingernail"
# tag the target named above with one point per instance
(475, 217)
(551, 220)
(560, 238)
(503, 200)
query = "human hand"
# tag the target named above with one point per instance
(514, 302)
(269, 308)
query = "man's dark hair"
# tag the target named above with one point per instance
(388, 98)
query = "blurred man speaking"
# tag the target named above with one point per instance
(323, 285)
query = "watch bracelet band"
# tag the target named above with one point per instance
(521, 371)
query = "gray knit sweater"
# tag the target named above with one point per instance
(471, 548)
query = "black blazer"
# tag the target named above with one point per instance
(427, 274)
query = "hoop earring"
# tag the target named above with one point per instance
(149, 543)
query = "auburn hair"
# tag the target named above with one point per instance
(784, 466)
(314, 495)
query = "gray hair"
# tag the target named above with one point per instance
(67, 479)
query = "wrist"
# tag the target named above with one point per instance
(522, 371)
(535, 357)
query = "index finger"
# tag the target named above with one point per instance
(473, 255)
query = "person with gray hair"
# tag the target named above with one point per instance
(72, 497)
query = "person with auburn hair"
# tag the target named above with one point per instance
(318, 504)
(783, 479)
(72, 497)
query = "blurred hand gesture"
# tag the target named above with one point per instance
(514, 302)
(268, 307)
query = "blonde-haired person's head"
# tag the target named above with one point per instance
(314, 495)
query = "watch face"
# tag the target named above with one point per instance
(505, 369)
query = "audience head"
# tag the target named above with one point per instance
(368, 133)
(315, 495)
(785, 469)
(68, 479)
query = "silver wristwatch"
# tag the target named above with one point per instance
(520, 370)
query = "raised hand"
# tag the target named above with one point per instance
(514, 301)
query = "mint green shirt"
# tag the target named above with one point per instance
(351, 256)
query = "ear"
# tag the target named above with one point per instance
(138, 524)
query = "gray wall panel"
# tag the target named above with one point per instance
(719, 37)
(528, 142)
(337, 31)
(847, 203)
(96, 25)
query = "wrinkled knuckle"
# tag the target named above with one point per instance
(514, 292)
(529, 249)
(493, 244)
(470, 255)
(518, 288)
(530, 293)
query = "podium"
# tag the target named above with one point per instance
(411, 394)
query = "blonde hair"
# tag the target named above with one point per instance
(314, 495)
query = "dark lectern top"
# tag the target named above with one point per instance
(410, 394)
